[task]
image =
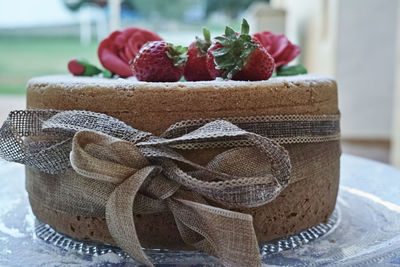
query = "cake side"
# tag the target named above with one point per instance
(303, 204)
(154, 107)
(308, 200)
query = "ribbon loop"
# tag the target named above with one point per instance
(119, 215)
(226, 234)
(103, 157)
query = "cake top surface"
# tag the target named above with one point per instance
(73, 82)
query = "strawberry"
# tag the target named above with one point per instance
(196, 67)
(239, 57)
(159, 61)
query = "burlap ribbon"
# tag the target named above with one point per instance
(151, 176)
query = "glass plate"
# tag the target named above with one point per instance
(51, 236)
(364, 230)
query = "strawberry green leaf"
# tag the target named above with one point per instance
(223, 40)
(177, 54)
(220, 52)
(286, 70)
(245, 38)
(207, 35)
(202, 45)
(225, 61)
(220, 38)
(230, 33)
(245, 27)
(232, 57)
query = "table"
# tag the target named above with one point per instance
(366, 231)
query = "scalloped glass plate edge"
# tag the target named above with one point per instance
(46, 233)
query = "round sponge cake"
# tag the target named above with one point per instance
(153, 107)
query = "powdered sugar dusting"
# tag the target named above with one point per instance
(72, 82)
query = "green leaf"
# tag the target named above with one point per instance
(207, 35)
(230, 33)
(225, 62)
(236, 50)
(286, 70)
(224, 41)
(90, 69)
(220, 38)
(220, 52)
(244, 38)
(178, 54)
(107, 74)
(202, 45)
(229, 74)
(247, 52)
(245, 27)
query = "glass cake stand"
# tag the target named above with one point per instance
(364, 229)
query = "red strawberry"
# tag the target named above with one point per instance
(159, 61)
(239, 57)
(196, 68)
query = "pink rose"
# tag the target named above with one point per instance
(120, 48)
(278, 45)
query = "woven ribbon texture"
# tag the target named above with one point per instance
(128, 171)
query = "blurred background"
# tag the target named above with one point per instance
(357, 42)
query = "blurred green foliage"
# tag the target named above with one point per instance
(173, 9)
(25, 57)
(74, 5)
(167, 9)
(231, 8)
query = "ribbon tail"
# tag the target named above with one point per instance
(225, 234)
(119, 215)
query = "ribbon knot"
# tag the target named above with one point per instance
(151, 176)
(149, 179)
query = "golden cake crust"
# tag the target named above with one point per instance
(155, 106)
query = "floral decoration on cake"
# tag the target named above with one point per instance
(232, 56)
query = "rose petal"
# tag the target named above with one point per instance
(280, 48)
(290, 53)
(113, 63)
(120, 41)
(279, 44)
(112, 39)
(122, 55)
(120, 48)
(75, 68)
(129, 52)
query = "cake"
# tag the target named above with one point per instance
(308, 200)
(219, 146)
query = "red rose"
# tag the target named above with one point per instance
(75, 67)
(116, 51)
(278, 45)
